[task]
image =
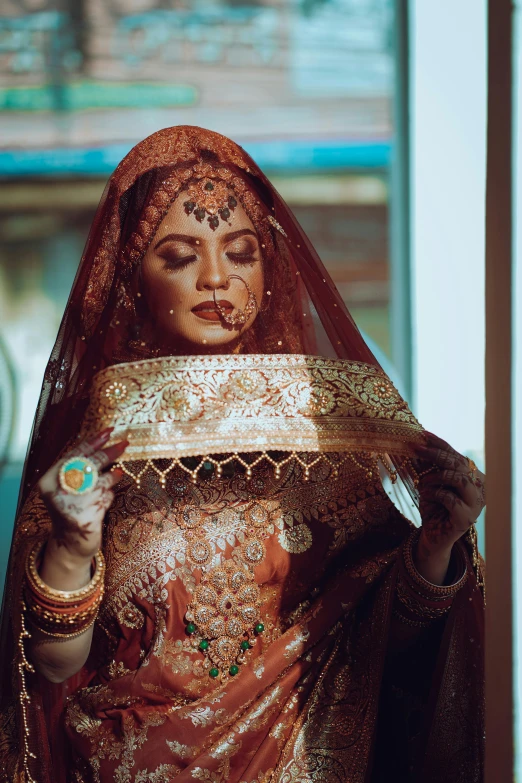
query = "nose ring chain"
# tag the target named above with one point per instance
(240, 316)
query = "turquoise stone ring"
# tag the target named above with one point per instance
(78, 475)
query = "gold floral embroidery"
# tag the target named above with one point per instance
(300, 638)
(228, 747)
(117, 670)
(203, 716)
(158, 542)
(183, 751)
(178, 661)
(296, 539)
(221, 775)
(260, 714)
(134, 737)
(262, 777)
(291, 403)
(159, 775)
(177, 700)
(131, 617)
(371, 567)
(81, 722)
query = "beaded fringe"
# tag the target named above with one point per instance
(371, 467)
(23, 667)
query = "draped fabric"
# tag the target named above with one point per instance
(303, 537)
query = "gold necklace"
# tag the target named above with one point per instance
(223, 617)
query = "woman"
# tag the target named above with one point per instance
(208, 580)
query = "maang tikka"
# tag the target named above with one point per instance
(208, 191)
(212, 198)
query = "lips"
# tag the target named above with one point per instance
(207, 310)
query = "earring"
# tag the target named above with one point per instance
(241, 316)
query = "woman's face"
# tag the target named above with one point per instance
(187, 262)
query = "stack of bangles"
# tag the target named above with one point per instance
(58, 613)
(419, 601)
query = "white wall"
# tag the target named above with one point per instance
(448, 149)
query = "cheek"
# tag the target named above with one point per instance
(165, 287)
(255, 279)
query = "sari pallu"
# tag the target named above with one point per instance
(333, 686)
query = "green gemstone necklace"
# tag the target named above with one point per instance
(223, 617)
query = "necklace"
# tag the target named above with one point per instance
(223, 617)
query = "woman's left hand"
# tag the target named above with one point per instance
(452, 498)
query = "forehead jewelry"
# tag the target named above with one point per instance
(240, 316)
(78, 475)
(212, 198)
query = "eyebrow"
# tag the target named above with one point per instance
(193, 241)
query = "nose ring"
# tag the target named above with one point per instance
(240, 316)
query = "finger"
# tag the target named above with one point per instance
(89, 446)
(116, 450)
(454, 478)
(444, 459)
(461, 515)
(107, 456)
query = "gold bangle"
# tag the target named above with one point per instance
(38, 586)
(408, 621)
(65, 636)
(416, 606)
(51, 624)
(58, 618)
(426, 588)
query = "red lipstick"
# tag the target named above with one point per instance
(207, 310)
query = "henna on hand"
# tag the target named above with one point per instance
(77, 519)
(451, 499)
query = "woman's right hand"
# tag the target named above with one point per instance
(77, 520)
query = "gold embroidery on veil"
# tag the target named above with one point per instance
(189, 406)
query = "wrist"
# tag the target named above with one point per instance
(64, 570)
(74, 552)
(427, 548)
(431, 561)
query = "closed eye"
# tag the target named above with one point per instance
(179, 262)
(241, 257)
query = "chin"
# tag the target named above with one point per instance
(204, 336)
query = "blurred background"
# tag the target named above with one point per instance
(351, 107)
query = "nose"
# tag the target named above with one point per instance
(213, 273)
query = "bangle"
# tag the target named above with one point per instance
(62, 597)
(422, 586)
(60, 613)
(416, 606)
(408, 621)
(420, 598)
(53, 620)
(65, 635)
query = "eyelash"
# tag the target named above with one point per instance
(179, 263)
(183, 261)
(245, 258)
